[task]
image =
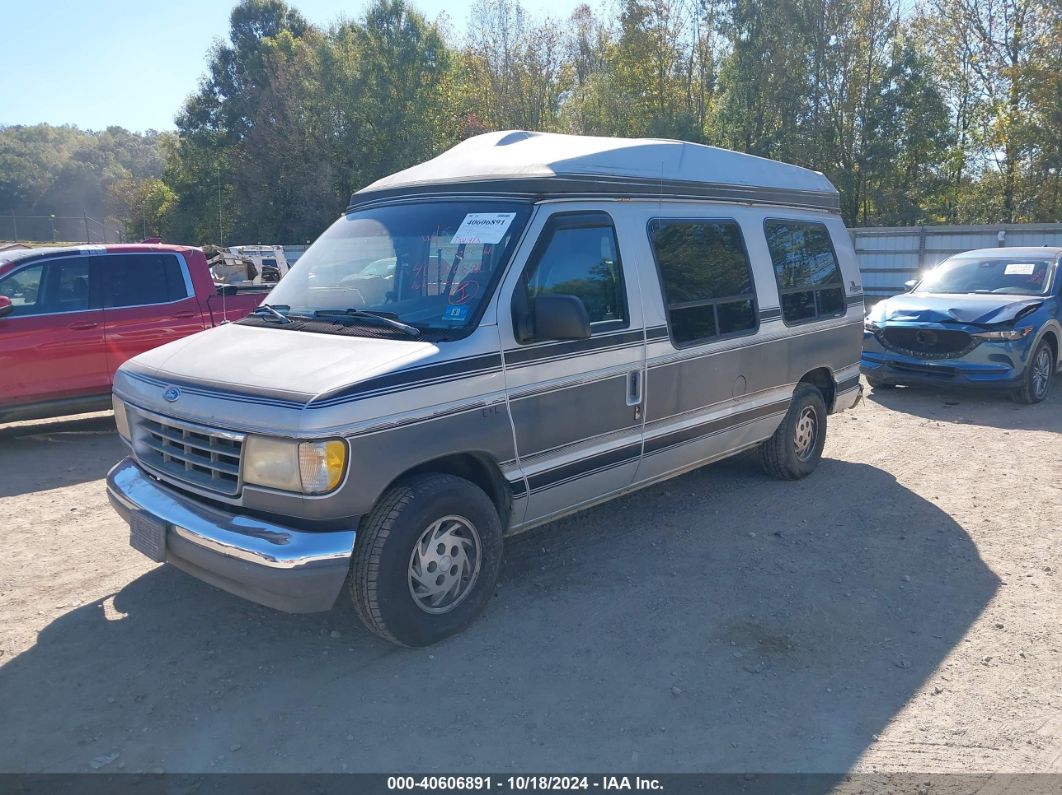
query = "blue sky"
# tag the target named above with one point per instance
(131, 62)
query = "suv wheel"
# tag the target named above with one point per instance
(1039, 371)
(796, 447)
(426, 559)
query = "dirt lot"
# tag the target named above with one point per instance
(900, 610)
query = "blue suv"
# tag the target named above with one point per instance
(986, 318)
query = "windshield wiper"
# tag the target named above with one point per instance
(398, 325)
(272, 311)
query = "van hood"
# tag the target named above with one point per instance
(275, 363)
(980, 310)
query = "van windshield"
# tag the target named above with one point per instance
(428, 264)
(1006, 275)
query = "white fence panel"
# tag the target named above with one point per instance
(889, 256)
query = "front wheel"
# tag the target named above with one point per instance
(796, 447)
(1039, 372)
(426, 559)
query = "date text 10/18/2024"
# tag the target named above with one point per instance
(523, 783)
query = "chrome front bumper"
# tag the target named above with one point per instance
(292, 570)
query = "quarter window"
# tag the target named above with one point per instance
(706, 278)
(805, 267)
(141, 279)
(580, 257)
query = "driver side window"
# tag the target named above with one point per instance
(579, 255)
(23, 287)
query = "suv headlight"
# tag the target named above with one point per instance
(1009, 336)
(289, 465)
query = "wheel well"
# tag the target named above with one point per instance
(478, 469)
(1053, 342)
(822, 379)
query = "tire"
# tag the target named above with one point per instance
(1038, 375)
(408, 544)
(789, 455)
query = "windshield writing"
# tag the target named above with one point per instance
(427, 264)
(1002, 275)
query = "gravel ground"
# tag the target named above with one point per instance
(897, 611)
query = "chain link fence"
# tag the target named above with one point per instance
(59, 229)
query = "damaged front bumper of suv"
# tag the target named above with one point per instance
(939, 354)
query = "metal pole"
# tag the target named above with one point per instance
(53, 227)
(221, 234)
(88, 237)
(14, 226)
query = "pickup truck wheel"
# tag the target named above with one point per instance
(1039, 371)
(796, 447)
(426, 559)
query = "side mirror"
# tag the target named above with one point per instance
(910, 284)
(6, 307)
(559, 317)
(227, 289)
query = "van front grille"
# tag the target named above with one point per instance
(193, 454)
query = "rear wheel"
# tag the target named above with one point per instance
(1039, 372)
(426, 560)
(796, 447)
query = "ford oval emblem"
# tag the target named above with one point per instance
(171, 394)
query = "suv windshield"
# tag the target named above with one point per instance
(428, 264)
(1003, 275)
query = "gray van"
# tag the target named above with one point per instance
(525, 326)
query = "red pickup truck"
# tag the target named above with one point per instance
(70, 316)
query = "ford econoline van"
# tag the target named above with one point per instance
(525, 326)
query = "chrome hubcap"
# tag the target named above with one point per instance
(444, 564)
(1041, 375)
(806, 430)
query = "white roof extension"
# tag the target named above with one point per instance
(547, 163)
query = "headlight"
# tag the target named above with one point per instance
(307, 467)
(870, 325)
(121, 419)
(1009, 336)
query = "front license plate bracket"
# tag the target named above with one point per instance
(148, 535)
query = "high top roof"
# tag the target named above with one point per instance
(540, 165)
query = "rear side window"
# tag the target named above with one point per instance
(142, 279)
(805, 266)
(706, 279)
(579, 255)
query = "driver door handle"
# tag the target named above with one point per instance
(85, 326)
(635, 392)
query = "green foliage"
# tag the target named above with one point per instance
(65, 171)
(945, 112)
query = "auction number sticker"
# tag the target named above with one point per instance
(1020, 269)
(482, 228)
